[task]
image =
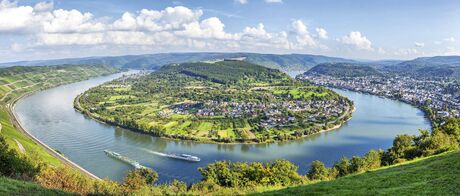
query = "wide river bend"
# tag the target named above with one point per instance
(49, 115)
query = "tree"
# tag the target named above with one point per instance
(318, 171)
(373, 159)
(148, 174)
(452, 128)
(358, 164)
(343, 166)
(139, 178)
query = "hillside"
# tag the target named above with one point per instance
(288, 62)
(17, 81)
(343, 70)
(438, 66)
(225, 101)
(292, 62)
(437, 175)
(15, 187)
(226, 71)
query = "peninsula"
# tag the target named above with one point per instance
(227, 101)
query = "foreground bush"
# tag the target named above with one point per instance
(228, 174)
(14, 165)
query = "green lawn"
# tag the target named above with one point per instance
(14, 187)
(438, 175)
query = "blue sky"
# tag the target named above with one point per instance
(385, 29)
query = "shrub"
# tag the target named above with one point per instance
(227, 174)
(13, 165)
(205, 186)
(358, 164)
(373, 159)
(318, 171)
(66, 179)
(137, 179)
(343, 166)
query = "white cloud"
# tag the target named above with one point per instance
(7, 4)
(356, 39)
(406, 52)
(15, 18)
(16, 47)
(274, 1)
(242, 1)
(171, 18)
(126, 22)
(172, 29)
(71, 21)
(449, 39)
(322, 33)
(266, 1)
(451, 51)
(303, 37)
(419, 44)
(208, 28)
(44, 6)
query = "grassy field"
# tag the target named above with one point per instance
(437, 175)
(14, 187)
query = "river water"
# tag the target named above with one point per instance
(50, 116)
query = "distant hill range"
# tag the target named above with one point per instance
(343, 70)
(285, 62)
(427, 67)
(438, 66)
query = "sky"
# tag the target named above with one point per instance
(357, 29)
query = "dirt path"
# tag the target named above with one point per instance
(21, 148)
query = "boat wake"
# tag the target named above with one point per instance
(185, 157)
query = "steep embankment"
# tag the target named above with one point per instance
(16, 82)
(436, 175)
(15, 187)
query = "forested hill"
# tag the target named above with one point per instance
(225, 72)
(437, 66)
(285, 62)
(343, 70)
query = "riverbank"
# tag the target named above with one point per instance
(17, 124)
(21, 84)
(206, 140)
(423, 109)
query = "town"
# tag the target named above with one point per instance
(438, 94)
(274, 114)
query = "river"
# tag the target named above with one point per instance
(49, 115)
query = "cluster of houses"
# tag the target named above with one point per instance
(440, 95)
(273, 114)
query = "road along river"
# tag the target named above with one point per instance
(49, 116)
